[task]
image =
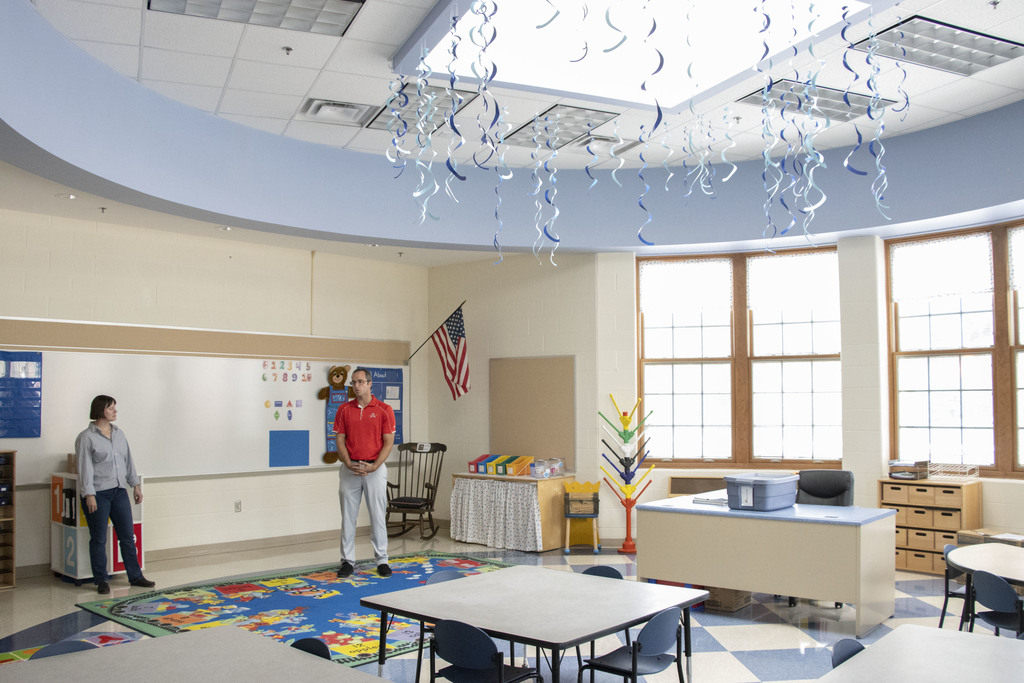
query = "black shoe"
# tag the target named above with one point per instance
(103, 588)
(383, 570)
(142, 582)
(345, 570)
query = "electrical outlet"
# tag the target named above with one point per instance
(238, 506)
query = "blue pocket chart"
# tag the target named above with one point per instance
(21, 394)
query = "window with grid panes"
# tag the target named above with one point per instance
(1016, 270)
(796, 378)
(942, 298)
(686, 357)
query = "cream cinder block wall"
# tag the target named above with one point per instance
(519, 308)
(55, 268)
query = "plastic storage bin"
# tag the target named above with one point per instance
(755, 491)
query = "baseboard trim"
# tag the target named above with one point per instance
(257, 544)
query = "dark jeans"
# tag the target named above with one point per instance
(112, 504)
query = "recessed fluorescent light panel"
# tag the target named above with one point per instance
(330, 17)
(819, 101)
(431, 102)
(943, 46)
(608, 53)
(560, 125)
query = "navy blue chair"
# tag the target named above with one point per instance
(436, 577)
(63, 647)
(472, 656)
(313, 646)
(844, 649)
(954, 590)
(609, 573)
(1005, 610)
(649, 654)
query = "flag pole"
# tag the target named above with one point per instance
(432, 333)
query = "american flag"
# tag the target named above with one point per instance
(450, 342)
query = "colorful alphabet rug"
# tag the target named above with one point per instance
(293, 604)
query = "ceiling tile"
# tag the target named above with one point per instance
(124, 59)
(259, 104)
(265, 44)
(363, 58)
(192, 34)
(271, 78)
(201, 97)
(91, 21)
(183, 67)
(385, 22)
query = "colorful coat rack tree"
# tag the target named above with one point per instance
(629, 462)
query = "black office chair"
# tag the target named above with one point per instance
(1005, 609)
(609, 573)
(649, 654)
(436, 577)
(472, 656)
(824, 487)
(844, 649)
(313, 646)
(62, 647)
(954, 590)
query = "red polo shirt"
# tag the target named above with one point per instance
(364, 428)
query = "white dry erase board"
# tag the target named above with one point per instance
(189, 415)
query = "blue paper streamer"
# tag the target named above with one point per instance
(398, 127)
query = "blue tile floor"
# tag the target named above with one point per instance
(766, 641)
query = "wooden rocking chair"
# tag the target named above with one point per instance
(415, 486)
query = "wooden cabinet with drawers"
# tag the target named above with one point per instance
(7, 519)
(929, 513)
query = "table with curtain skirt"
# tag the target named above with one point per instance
(515, 513)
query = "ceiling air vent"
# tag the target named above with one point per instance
(340, 113)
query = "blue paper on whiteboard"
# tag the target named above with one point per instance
(289, 448)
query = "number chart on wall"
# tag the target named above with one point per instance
(192, 415)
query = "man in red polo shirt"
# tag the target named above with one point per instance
(365, 432)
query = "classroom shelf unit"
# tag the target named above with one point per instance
(7, 519)
(69, 533)
(929, 513)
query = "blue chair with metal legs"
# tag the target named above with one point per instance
(472, 656)
(650, 653)
(1005, 609)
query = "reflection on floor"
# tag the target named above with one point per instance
(767, 641)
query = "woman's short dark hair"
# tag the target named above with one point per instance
(100, 404)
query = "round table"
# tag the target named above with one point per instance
(1000, 559)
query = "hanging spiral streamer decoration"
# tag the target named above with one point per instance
(504, 173)
(846, 94)
(876, 113)
(425, 110)
(397, 125)
(551, 133)
(456, 140)
(538, 184)
(669, 152)
(813, 158)
(645, 137)
(608, 20)
(729, 121)
(484, 70)
(901, 86)
(611, 151)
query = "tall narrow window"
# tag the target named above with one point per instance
(686, 355)
(942, 295)
(796, 379)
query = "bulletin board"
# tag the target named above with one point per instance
(540, 423)
(195, 414)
